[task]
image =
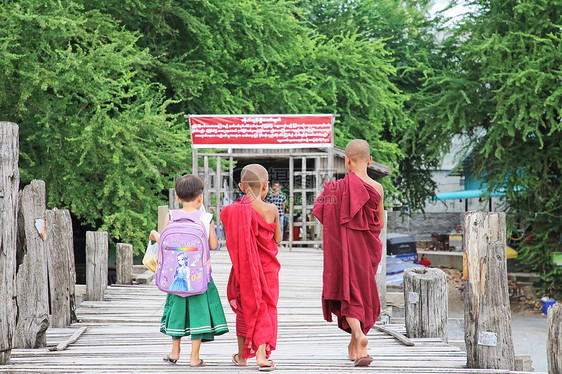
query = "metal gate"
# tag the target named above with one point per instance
(305, 185)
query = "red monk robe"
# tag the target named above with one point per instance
(352, 250)
(253, 286)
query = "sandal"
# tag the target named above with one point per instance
(235, 360)
(170, 360)
(268, 368)
(201, 363)
(364, 361)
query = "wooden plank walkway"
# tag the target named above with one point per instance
(122, 334)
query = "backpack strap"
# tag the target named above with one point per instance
(177, 215)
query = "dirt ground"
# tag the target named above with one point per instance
(528, 305)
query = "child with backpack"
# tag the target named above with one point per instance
(193, 306)
(252, 233)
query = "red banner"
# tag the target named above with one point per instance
(261, 131)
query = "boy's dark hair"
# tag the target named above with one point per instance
(189, 187)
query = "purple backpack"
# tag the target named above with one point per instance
(184, 265)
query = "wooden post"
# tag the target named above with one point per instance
(195, 161)
(554, 339)
(317, 191)
(124, 263)
(32, 282)
(487, 315)
(380, 276)
(32, 287)
(426, 300)
(291, 200)
(218, 198)
(9, 186)
(206, 183)
(303, 200)
(96, 264)
(172, 200)
(162, 213)
(61, 268)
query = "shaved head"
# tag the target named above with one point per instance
(254, 176)
(358, 150)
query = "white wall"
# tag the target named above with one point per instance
(460, 147)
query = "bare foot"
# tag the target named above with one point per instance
(197, 363)
(262, 361)
(239, 360)
(362, 342)
(265, 364)
(171, 358)
(194, 360)
(352, 349)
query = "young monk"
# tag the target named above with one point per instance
(252, 233)
(351, 210)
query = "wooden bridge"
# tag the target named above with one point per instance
(122, 334)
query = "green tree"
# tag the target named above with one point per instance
(232, 56)
(503, 85)
(221, 56)
(99, 89)
(408, 39)
(352, 76)
(93, 123)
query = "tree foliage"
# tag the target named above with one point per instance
(503, 81)
(93, 123)
(407, 35)
(100, 89)
(245, 56)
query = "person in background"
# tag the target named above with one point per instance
(278, 199)
(424, 261)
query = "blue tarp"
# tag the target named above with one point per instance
(467, 194)
(396, 279)
(395, 265)
(395, 270)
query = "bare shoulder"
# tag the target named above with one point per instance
(271, 209)
(270, 212)
(377, 186)
(267, 210)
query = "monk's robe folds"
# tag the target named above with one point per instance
(253, 285)
(348, 210)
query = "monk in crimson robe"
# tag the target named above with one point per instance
(252, 233)
(352, 213)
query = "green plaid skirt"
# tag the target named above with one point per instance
(200, 316)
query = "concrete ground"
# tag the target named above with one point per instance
(529, 336)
